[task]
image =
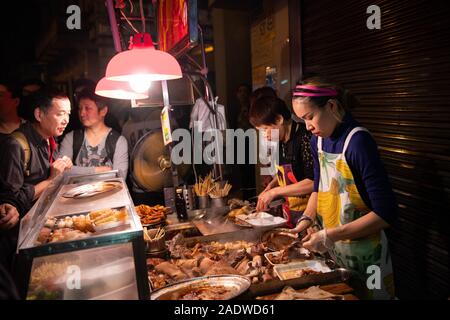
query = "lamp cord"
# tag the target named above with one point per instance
(141, 7)
(131, 6)
(128, 21)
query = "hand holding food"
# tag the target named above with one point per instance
(56, 168)
(309, 232)
(68, 162)
(319, 242)
(264, 199)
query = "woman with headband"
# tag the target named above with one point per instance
(352, 195)
(294, 178)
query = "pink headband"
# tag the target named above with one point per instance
(321, 92)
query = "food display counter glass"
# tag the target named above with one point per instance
(83, 240)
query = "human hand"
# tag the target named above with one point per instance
(303, 223)
(68, 162)
(318, 242)
(57, 167)
(264, 199)
(309, 232)
(9, 216)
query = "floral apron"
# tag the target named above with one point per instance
(294, 206)
(339, 203)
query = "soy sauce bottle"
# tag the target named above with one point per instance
(180, 205)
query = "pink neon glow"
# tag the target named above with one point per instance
(321, 92)
(308, 94)
(117, 90)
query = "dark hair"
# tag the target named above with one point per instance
(262, 92)
(265, 110)
(346, 100)
(42, 99)
(12, 87)
(89, 93)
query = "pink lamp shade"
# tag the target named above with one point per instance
(117, 90)
(146, 63)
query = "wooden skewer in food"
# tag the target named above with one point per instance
(218, 192)
(203, 187)
(160, 232)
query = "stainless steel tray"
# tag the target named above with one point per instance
(281, 231)
(335, 276)
(235, 285)
(250, 235)
(92, 189)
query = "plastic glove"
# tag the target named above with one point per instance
(319, 242)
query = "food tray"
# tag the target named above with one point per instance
(234, 286)
(92, 189)
(145, 211)
(51, 229)
(266, 237)
(89, 228)
(292, 270)
(270, 255)
(112, 224)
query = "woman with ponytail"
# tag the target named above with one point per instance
(352, 197)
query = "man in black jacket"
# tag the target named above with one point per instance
(25, 175)
(27, 166)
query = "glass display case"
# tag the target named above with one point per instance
(83, 240)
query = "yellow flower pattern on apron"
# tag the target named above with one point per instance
(339, 203)
(329, 204)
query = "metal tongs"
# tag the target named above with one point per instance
(275, 203)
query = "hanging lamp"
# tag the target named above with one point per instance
(142, 64)
(118, 90)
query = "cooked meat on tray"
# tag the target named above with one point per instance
(80, 226)
(198, 293)
(213, 258)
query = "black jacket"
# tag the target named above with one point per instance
(16, 187)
